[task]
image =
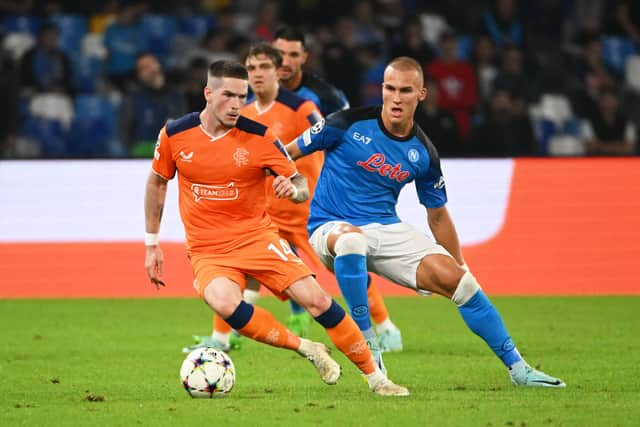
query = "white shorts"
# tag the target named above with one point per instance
(394, 251)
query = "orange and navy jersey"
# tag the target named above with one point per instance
(220, 179)
(289, 116)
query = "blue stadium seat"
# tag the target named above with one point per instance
(615, 51)
(158, 32)
(544, 130)
(93, 131)
(72, 29)
(87, 71)
(50, 135)
(22, 24)
(196, 26)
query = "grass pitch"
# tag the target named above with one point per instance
(116, 362)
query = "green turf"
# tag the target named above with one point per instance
(58, 355)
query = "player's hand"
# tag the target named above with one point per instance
(154, 262)
(283, 187)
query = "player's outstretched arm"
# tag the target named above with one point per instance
(444, 231)
(154, 198)
(294, 150)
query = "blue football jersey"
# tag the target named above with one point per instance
(365, 168)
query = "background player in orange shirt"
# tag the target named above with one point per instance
(222, 160)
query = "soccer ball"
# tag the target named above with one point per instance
(207, 372)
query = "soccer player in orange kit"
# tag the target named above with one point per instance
(222, 160)
(289, 116)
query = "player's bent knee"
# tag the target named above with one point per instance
(466, 289)
(318, 303)
(308, 293)
(222, 304)
(351, 243)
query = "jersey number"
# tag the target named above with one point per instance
(284, 251)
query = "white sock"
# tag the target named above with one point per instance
(375, 378)
(519, 365)
(305, 346)
(386, 325)
(250, 296)
(369, 334)
(220, 337)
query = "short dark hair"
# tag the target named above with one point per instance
(226, 68)
(290, 33)
(271, 52)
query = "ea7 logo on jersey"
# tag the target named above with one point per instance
(361, 138)
(214, 192)
(440, 184)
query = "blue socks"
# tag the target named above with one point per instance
(352, 276)
(483, 319)
(295, 307)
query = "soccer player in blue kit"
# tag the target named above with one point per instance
(370, 154)
(291, 43)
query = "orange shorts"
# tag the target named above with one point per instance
(299, 238)
(267, 257)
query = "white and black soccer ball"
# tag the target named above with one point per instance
(207, 373)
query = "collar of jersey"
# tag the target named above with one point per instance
(214, 138)
(396, 138)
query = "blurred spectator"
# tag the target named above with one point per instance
(630, 100)
(100, 20)
(373, 64)
(585, 17)
(592, 76)
(147, 106)
(457, 84)
(45, 67)
(438, 124)
(609, 132)
(342, 68)
(623, 19)
(392, 16)
(503, 24)
(366, 30)
(266, 21)
(410, 43)
(9, 117)
(506, 131)
(484, 60)
(459, 14)
(513, 78)
(22, 7)
(214, 47)
(124, 42)
(194, 85)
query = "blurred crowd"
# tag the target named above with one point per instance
(505, 78)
